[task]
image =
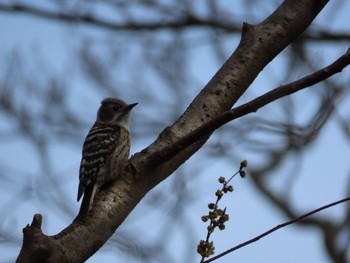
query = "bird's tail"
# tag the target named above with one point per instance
(87, 202)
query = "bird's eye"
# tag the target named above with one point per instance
(115, 108)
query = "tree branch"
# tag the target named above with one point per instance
(249, 107)
(258, 46)
(278, 227)
(187, 20)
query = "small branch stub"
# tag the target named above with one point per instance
(36, 246)
(37, 220)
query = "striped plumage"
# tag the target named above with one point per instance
(105, 150)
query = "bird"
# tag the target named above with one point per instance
(105, 150)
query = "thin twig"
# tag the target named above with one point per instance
(190, 21)
(276, 228)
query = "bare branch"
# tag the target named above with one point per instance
(250, 107)
(185, 20)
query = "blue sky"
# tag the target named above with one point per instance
(322, 172)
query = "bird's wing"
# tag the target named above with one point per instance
(98, 147)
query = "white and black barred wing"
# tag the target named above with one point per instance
(98, 147)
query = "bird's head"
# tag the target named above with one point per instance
(115, 111)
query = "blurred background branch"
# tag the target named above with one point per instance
(60, 58)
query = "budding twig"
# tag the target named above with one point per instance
(302, 217)
(218, 217)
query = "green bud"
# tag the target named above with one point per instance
(222, 179)
(205, 218)
(224, 218)
(211, 206)
(213, 214)
(221, 227)
(219, 193)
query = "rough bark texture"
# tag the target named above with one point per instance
(259, 45)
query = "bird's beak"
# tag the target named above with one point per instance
(130, 106)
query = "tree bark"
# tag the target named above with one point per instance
(258, 46)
